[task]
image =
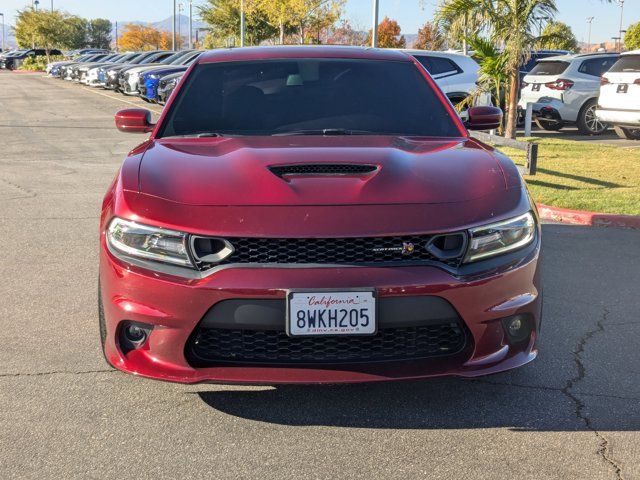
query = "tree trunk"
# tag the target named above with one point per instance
(281, 33)
(512, 105)
(47, 53)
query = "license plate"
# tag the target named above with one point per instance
(622, 88)
(331, 313)
(535, 87)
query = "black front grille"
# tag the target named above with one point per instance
(209, 346)
(322, 169)
(368, 250)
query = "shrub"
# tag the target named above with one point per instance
(38, 63)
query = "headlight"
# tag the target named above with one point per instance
(111, 73)
(502, 237)
(151, 243)
(154, 76)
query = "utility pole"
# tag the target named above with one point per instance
(190, 24)
(52, 5)
(621, 3)
(374, 30)
(116, 35)
(2, 15)
(173, 27)
(589, 21)
(242, 23)
(180, 7)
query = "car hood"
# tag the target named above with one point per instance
(236, 171)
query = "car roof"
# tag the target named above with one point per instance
(415, 51)
(582, 56)
(631, 52)
(302, 51)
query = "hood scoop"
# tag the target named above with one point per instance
(323, 169)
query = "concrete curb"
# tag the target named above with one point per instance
(26, 71)
(580, 217)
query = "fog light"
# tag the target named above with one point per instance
(514, 326)
(133, 335)
(518, 327)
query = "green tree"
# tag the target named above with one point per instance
(43, 29)
(429, 38)
(297, 15)
(100, 33)
(509, 23)
(389, 35)
(632, 37)
(76, 33)
(223, 17)
(558, 36)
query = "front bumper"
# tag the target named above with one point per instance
(175, 307)
(630, 118)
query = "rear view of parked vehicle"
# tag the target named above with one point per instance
(455, 74)
(619, 102)
(564, 90)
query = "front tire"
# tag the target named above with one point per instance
(628, 133)
(588, 122)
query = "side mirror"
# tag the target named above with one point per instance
(134, 120)
(483, 118)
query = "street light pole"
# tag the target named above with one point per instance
(621, 3)
(242, 23)
(190, 24)
(173, 27)
(180, 7)
(589, 21)
(2, 15)
(374, 30)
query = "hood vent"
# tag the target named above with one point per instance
(322, 169)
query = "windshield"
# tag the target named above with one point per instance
(153, 58)
(308, 96)
(627, 63)
(554, 67)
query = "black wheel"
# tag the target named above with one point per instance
(102, 324)
(549, 125)
(588, 122)
(628, 133)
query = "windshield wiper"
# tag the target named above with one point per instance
(325, 132)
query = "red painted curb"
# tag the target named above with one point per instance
(580, 217)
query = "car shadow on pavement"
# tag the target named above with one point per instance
(430, 404)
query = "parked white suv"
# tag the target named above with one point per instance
(564, 90)
(619, 102)
(454, 73)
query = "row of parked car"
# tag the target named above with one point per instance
(150, 75)
(592, 91)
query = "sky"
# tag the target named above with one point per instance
(408, 13)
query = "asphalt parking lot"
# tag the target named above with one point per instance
(572, 414)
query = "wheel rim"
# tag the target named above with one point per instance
(592, 122)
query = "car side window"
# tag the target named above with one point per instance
(438, 66)
(596, 66)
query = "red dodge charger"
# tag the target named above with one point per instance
(316, 215)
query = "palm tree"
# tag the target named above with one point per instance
(512, 25)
